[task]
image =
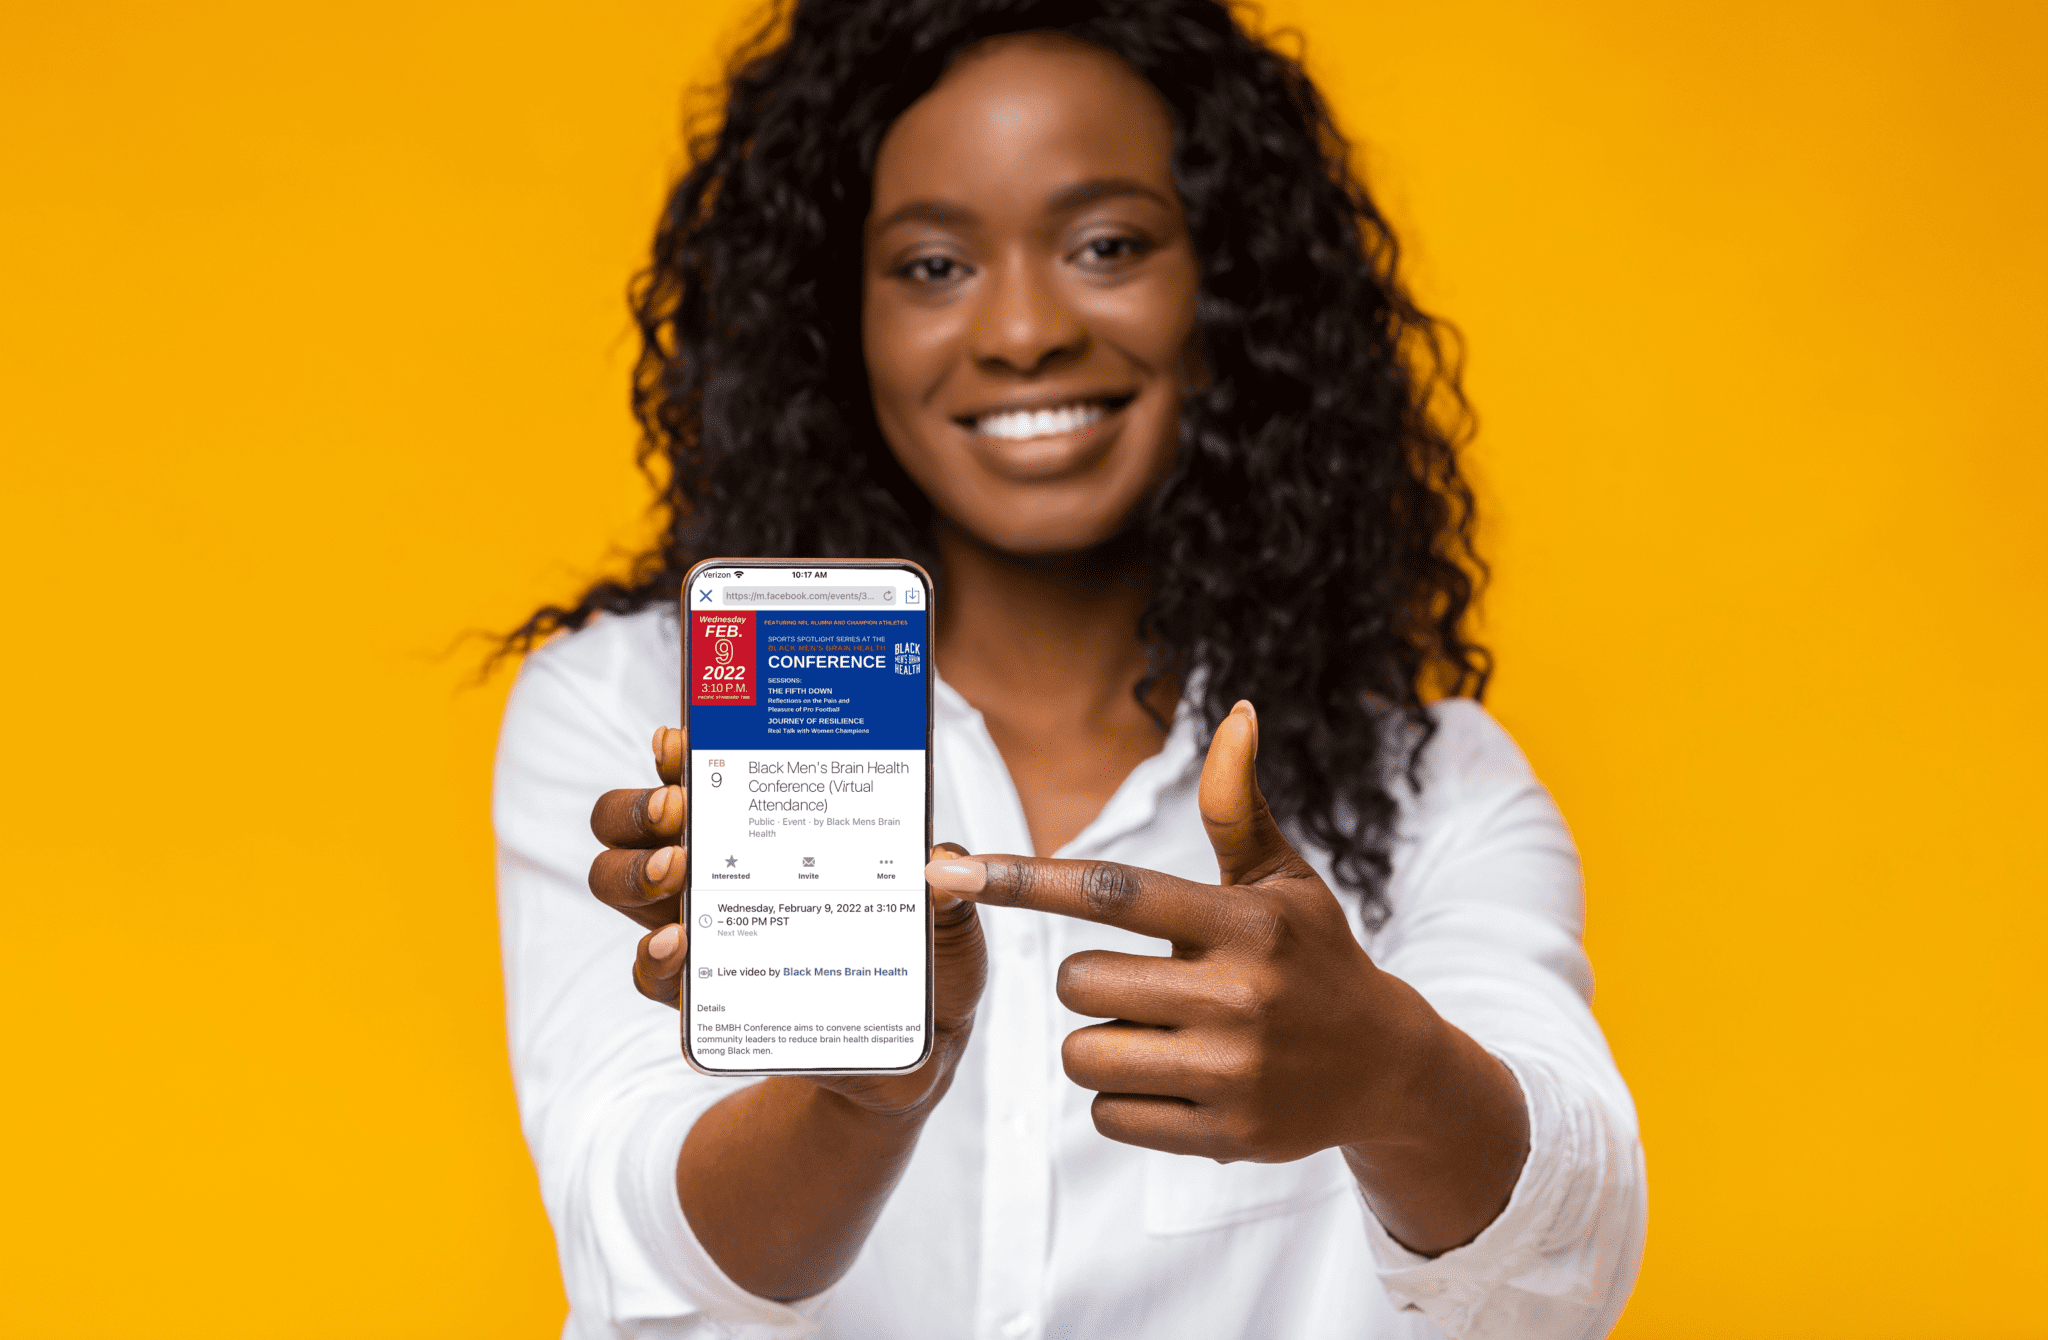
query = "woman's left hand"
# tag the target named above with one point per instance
(1269, 1033)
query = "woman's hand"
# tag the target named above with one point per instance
(1269, 1034)
(641, 874)
(781, 1180)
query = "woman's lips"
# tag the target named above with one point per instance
(1035, 445)
(1022, 425)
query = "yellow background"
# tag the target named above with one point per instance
(312, 356)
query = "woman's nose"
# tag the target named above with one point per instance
(1022, 325)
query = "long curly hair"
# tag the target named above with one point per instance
(1312, 549)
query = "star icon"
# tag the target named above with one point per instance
(731, 861)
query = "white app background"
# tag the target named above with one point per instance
(807, 942)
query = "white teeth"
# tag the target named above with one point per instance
(1021, 425)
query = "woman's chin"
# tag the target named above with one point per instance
(1057, 533)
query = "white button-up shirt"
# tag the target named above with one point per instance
(1015, 1219)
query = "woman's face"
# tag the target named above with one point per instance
(1029, 308)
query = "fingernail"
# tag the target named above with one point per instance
(664, 942)
(957, 876)
(657, 864)
(657, 804)
(1244, 705)
(660, 739)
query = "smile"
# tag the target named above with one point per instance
(1024, 425)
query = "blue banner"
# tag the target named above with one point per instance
(827, 679)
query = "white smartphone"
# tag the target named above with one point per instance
(807, 694)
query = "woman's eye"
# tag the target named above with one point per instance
(932, 269)
(1110, 250)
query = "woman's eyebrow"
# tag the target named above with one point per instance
(1080, 195)
(1083, 194)
(942, 212)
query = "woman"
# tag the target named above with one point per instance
(1080, 304)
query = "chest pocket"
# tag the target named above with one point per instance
(1192, 1195)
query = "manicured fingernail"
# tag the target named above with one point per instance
(1244, 705)
(665, 940)
(657, 864)
(957, 876)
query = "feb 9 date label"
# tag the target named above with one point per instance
(722, 658)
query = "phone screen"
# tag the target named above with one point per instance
(808, 692)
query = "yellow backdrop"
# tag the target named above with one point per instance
(312, 356)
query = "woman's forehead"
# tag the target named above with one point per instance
(1019, 119)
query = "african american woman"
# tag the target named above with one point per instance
(1261, 1006)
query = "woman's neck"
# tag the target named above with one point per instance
(1047, 649)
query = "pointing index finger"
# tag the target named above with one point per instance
(1143, 901)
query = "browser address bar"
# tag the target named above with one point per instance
(809, 595)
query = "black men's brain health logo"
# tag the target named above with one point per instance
(909, 658)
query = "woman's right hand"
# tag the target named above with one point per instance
(640, 873)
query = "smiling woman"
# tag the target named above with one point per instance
(977, 283)
(1049, 326)
(1310, 544)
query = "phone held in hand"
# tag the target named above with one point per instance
(807, 694)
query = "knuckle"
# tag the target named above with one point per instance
(1234, 1068)
(1258, 923)
(1110, 1116)
(1239, 1135)
(1108, 889)
(1074, 1057)
(1009, 882)
(1224, 1150)
(601, 816)
(1082, 1047)
(1238, 998)
(1076, 975)
(601, 875)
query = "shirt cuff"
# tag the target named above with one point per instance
(679, 1279)
(1510, 1281)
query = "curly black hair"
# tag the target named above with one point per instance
(1313, 547)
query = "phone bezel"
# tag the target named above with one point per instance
(690, 811)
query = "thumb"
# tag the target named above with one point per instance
(1248, 843)
(959, 954)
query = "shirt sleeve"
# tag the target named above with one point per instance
(1488, 913)
(605, 1098)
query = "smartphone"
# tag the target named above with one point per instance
(807, 694)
